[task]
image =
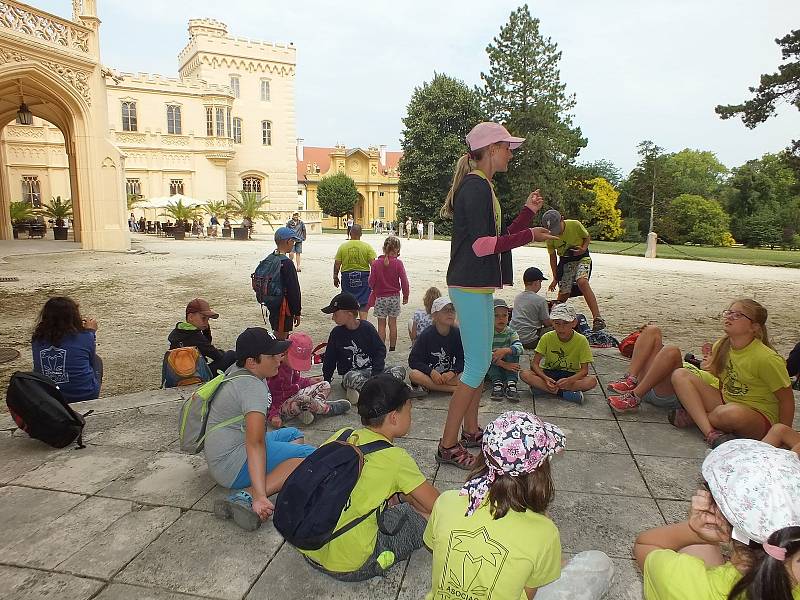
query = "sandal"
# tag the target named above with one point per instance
(472, 440)
(598, 324)
(680, 418)
(457, 456)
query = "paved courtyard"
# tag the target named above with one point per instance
(129, 516)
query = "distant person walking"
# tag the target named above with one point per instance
(409, 226)
(354, 259)
(296, 224)
(420, 229)
(349, 225)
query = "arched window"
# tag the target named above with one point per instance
(237, 130)
(266, 133)
(129, 116)
(174, 120)
(251, 184)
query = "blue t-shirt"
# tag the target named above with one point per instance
(69, 364)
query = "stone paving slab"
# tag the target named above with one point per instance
(662, 439)
(592, 435)
(594, 406)
(616, 474)
(24, 511)
(141, 431)
(671, 478)
(674, 511)
(18, 455)
(120, 591)
(30, 584)
(199, 554)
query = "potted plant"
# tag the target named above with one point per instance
(58, 210)
(183, 214)
(218, 209)
(249, 206)
(21, 213)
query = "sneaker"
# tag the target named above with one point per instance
(498, 391)
(679, 418)
(575, 397)
(417, 391)
(472, 440)
(352, 396)
(598, 324)
(337, 407)
(721, 439)
(626, 384)
(457, 456)
(239, 507)
(306, 417)
(627, 401)
(511, 391)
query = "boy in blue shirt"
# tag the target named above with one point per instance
(437, 357)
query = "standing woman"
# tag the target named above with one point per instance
(476, 269)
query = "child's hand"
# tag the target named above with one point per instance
(552, 286)
(436, 377)
(706, 520)
(552, 384)
(541, 234)
(448, 376)
(405, 300)
(500, 353)
(263, 508)
(509, 366)
(562, 384)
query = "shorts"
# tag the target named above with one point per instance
(388, 306)
(666, 402)
(557, 374)
(355, 379)
(298, 248)
(279, 447)
(274, 317)
(572, 272)
(393, 548)
(476, 316)
(764, 418)
(355, 283)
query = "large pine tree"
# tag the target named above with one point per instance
(524, 91)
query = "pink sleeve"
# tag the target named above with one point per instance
(403, 280)
(371, 278)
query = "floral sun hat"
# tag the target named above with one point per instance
(756, 487)
(514, 444)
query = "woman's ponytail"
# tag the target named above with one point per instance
(463, 166)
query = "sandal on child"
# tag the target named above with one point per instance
(472, 440)
(457, 456)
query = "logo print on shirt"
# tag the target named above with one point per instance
(472, 566)
(561, 362)
(733, 386)
(54, 364)
(443, 362)
(359, 359)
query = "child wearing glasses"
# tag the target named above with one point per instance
(437, 357)
(754, 389)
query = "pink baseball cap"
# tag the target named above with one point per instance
(488, 132)
(299, 354)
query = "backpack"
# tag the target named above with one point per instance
(184, 366)
(193, 417)
(40, 410)
(627, 344)
(267, 282)
(311, 502)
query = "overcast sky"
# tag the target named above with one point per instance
(641, 69)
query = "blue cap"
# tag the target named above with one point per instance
(286, 233)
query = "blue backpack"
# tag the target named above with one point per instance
(267, 282)
(311, 501)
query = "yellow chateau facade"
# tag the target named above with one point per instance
(374, 171)
(226, 123)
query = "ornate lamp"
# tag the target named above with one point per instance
(24, 116)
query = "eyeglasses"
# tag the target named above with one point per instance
(735, 315)
(447, 309)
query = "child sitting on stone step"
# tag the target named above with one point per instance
(437, 357)
(506, 350)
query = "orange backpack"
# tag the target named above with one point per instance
(184, 366)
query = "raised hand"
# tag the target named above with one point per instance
(535, 201)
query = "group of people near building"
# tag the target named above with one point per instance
(492, 538)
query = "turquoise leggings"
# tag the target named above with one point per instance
(476, 322)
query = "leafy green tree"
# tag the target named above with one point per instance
(773, 89)
(250, 205)
(523, 90)
(337, 194)
(761, 229)
(696, 172)
(647, 179)
(692, 218)
(440, 114)
(599, 168)
(601, 216)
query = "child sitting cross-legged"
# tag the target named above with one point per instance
(354, 348)
(296, 396)
(493, 539)
(561, 362)
(506, 350)
(437, 357)
(380, 541)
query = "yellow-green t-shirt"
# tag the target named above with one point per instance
(385, 473)
(492, 559)
(573, 235)
(355, 255)
(564, 356)
(752, 376)
(670, 575)
(705, 376)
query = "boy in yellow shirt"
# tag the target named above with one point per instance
(390, 536)
(575, 265)
(560, 364)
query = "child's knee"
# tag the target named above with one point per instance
(680, 376)
(582, 283)
(590, 381)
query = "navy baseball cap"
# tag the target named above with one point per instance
(533, 274)
(343, 301)
(255, 341)
(286, 233)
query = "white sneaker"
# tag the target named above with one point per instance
(352, 395)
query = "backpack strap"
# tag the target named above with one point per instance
(226, 422)
(345, 434)
(374, 446)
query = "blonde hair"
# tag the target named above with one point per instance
(392, 244)
(431, 294)
(465, 164)
(758, 315)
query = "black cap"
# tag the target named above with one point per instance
(343, 301)
(255, 341)
(533, 274)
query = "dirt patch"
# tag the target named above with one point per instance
(137, 298)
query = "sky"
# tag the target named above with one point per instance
(640, 69)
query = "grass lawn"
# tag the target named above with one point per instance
(736, 255)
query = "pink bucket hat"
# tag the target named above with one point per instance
(487, 133)
(299, 354)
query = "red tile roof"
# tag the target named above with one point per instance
(322, 156)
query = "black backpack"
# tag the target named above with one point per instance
(311, 502)
(39, 409)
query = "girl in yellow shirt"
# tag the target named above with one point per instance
(754, 389)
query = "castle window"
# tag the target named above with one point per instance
(31, 192)
(129, 116)
(133, 187)
(175, 186)
(265, 90)
(266, 133)
(237, 130)
(174, 120)
(251, 184)
(235, 85)
(220, 119)
(209, 121)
